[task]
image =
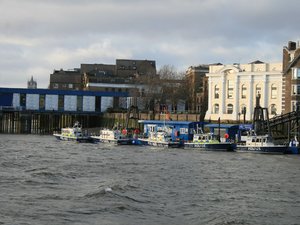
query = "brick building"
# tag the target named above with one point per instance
(291, 77)
(198, 92)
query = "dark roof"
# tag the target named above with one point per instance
(257, 62)
(62, 92)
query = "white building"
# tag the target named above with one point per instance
(233, 88)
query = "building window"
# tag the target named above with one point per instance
(70, 86)
(273, 91)
(230, 89)
(273, 109)
(216, 108)
(294, 105)
(229, 109)
(296, 73)
(296, 89)
(55, 86)
(244, 91)
(217, 90)
(257, 90)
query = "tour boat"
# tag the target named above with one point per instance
(73, 134)
(261, 144)
(209, 142)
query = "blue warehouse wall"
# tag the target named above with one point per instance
(6, 99)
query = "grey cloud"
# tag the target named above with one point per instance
(38, 36)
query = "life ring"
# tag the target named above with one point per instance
(226, 135)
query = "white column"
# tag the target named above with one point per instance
(266, 91)
(223, 93)
(250, 103)
(237, 99)
(210, 94)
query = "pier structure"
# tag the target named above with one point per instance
(44, 111)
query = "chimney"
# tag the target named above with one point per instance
(292, 45)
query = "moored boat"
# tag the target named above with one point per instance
(117, 137)
(161, 139)
(74, 133)
(261, 144)
(294, 146)
(107, 136)
(209, 142)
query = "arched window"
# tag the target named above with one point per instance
(273, 109)
(229, 109)
(244, 91)
(273, 91)
(217, 91)
(216, 108)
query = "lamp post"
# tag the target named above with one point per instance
(244, 113)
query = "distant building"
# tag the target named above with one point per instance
(233, 90)
(32, 84)
(129, 67)
(198, 93)
(66, 80)
(124, 76)
(291, 77)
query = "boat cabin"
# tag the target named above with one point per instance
(178, 130)
(225, 131)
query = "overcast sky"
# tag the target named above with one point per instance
(38, 36)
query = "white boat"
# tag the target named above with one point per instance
(261, 144)
(73, 134)
(116, 137)
(161, 139)
(209, 142)
(107, 136)
(294, 146)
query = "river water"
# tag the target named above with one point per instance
(45, 181)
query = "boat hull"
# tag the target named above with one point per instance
(121, 141)
(210, 146)
(97, 139)
(129, 141)
(165, 144)
(263, 149)
(81, 139)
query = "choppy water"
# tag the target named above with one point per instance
(44, 181)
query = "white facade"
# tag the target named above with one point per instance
(88, 104)
(70, 103)
(32, 101)
(106, 102)
(16, 100)
(234, 87)
(51, 102)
